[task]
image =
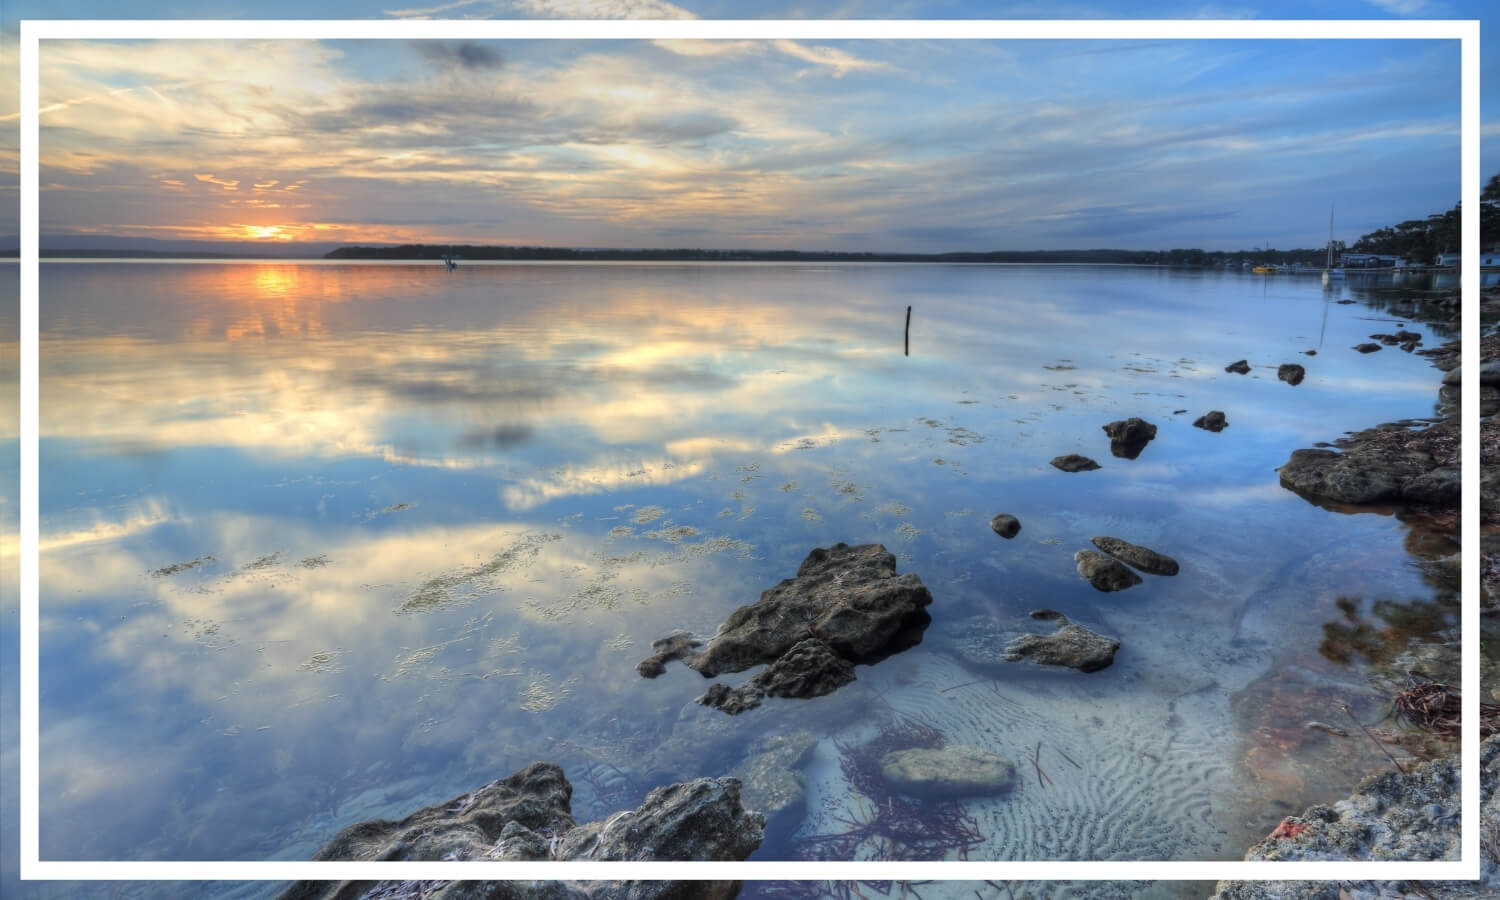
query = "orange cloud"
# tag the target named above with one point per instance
(226, 184)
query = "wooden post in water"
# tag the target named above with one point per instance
(906, 349)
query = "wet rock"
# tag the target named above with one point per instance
(1403, 336)
(1345, 302)
(1409, 346)
(1128, 437)
(1454, 377)
(1390, 340)
(1103, 572)
(528, 816)
(1074, 463)
(808, 669)
(1070, 645)
(1212, 421)
(1291, 373)
(1390, 816)
(677, 645)
(846, 605)
(1006, 525)
(948, 772)
(1391, 463)
(1147, 560)
(770, 780)
(1366, 348)
(1489, 374)
(1239, 367)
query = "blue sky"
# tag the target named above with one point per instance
(922, 146)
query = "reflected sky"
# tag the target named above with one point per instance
(327, 542)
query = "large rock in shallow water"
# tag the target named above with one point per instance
(527, 816)
(850, 598)
(1212, 421)
(1128, 437)
(1143, 558)
(948, 772)
(1388, 464)
(1070, 645)
(847, 605)
(1291, 373)
(1073, 462)
(1103, 572)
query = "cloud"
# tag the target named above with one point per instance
(462, 55)
(226, 184)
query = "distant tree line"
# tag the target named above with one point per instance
(1175, 257)
(1421, 240)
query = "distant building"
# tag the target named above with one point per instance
(1445, 260)
(1369, 261)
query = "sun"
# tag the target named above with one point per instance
(264, 232)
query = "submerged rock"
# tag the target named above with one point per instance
(1103, 572)
(1239, 367)
(1388, 464)
(1070, 645)
(1367, 348)
(1006, 525)
(770, 782)
(1147, 560)
(1128, 437)
(948, 772)
(1074, 463)
(1291, 373)
(528, 816)
(1390, 816)
(846, 605)
(1212, 421)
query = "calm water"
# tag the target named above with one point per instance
(328, 542)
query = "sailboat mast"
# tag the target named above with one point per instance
(1330, 238)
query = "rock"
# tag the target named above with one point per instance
(1239, 367)
(948, 772)
(1390, 816)
(808, 669)
(1345, 302)
(1212, 421)
(1389, 340)
(1454, 377)
(1074, 463)
(1409, 346)
(528, 816)
(1070, 645)
(770, 782)
(1006, 525)
(677, 645)
(1367, 348)
(1489, 374)
(1291, 373)
(1103, 572)
(846, 605)
(1384, 464)
(1439, 487)
(1128, 437)
(1403, 336)
(1148, 561)
(1309, 353)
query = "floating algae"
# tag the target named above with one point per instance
(175, 568)
(648, 514)
(464, 585)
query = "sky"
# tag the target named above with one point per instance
(838, 145)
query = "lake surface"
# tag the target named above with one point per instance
(323, 543)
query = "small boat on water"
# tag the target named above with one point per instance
(449, 262)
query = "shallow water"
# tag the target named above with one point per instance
(323, 543)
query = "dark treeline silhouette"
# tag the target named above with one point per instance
(1421, 240)
(1176, 257)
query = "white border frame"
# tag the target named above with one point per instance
(35, 31)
